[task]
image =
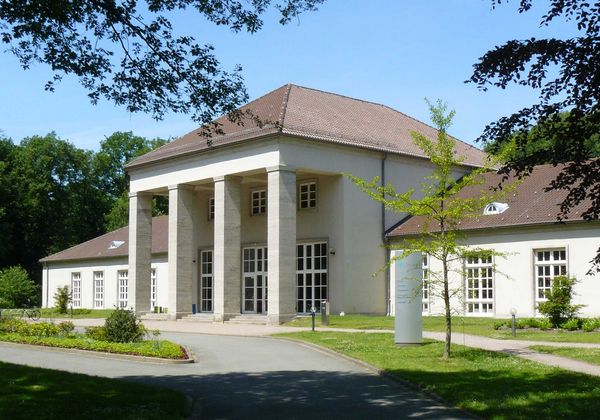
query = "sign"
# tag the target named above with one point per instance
(408, 323)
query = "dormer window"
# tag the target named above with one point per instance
(115, 244)
(495, 208)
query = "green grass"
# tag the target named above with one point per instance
(585, 355)
(77, 313)
(491, 385)
(163, 348)
(467, 325)
(28, 392)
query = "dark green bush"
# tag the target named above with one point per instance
(16, 288)
(558, 308)
(62, 298)
(571, 325)
(502, 324)
(65, 328)
(590, 324)
(123, 326)
(96, 333)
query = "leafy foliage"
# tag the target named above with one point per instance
(62, 298)
(96, 333)
(123, 326)
(441, 207)
(566, 73)
(128, 52)
(559, 308)
(16, 288)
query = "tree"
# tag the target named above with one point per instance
(442, 208)
(559, 307)
(16, 288)
(128, 52)
(566, 72)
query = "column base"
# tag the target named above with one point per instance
(278, 319)
(220, 318)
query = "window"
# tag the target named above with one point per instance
(98, 289)
(549, 263)
(258, 202)
(495, 208)
(308, 195)
(123, 284)
(206, 281)
(479, 285)
(152, 288)
(425, 284)
(211, 208)
(76, 290)
(311, 276)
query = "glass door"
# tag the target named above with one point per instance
(254, 280)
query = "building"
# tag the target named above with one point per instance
(535, 249)
(261, 218)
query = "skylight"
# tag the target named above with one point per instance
(495, 208)
(115, 244)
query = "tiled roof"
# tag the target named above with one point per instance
(100, 247)
(528, 204)
(317, 115)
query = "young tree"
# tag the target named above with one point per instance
(442, 208)
(16, 288)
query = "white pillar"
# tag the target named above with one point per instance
(281, 225)
(181, 250)
(140, 250)
(227, 251)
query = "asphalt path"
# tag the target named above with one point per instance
(251, 377)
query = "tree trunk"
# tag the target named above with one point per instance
(447, 311)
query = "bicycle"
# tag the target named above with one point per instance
(33, 314)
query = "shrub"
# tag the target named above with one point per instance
(571, 324)
(62, 298)
(66, 328)
(16, 288)
(11, 325)
(590, 324)
(558, 308)
(122, 326)
(39, 329)
(502, 324)
(96, 333)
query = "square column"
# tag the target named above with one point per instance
(181, 255)
(140, 251)
(227, 248)
(281, 225)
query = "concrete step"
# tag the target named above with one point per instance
(198, 318)
(249, 319)
(151, 316)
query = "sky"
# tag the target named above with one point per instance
(393, 52)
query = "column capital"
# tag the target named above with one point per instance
(281, 168)
(222, 178)
(140, 194)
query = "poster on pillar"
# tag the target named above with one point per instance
(408, 323)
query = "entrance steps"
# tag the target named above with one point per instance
(200, 317)
(151, 316)
(248, 319)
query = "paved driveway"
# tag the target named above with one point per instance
(248, 377)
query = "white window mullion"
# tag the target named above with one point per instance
(98, 289)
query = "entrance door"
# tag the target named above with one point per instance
(254, 280)
(311, 276)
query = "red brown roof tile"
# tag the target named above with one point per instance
(317, 115)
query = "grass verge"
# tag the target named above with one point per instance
(150, 348)
(28, 392)
(488, 384)
(583, 354)
(467, 325)
(77, 313)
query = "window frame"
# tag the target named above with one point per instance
(551, 275)
(98, 281)
(76, 297)
(122, 290)
(480, 302)
(153, 286)
(211, 209)
(262, 201)
(425, 284)
(308, 199)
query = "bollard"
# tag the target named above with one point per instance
(324, 313)
(313, 313)
(193, 309)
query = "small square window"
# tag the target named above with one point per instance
(307, 195)
(211, 208)
(258, 202)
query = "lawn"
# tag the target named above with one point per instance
(488, 384)
(28, 392)
(468, 325)
(77, 313)
(585, 355)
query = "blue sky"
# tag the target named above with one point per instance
(394, 52)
